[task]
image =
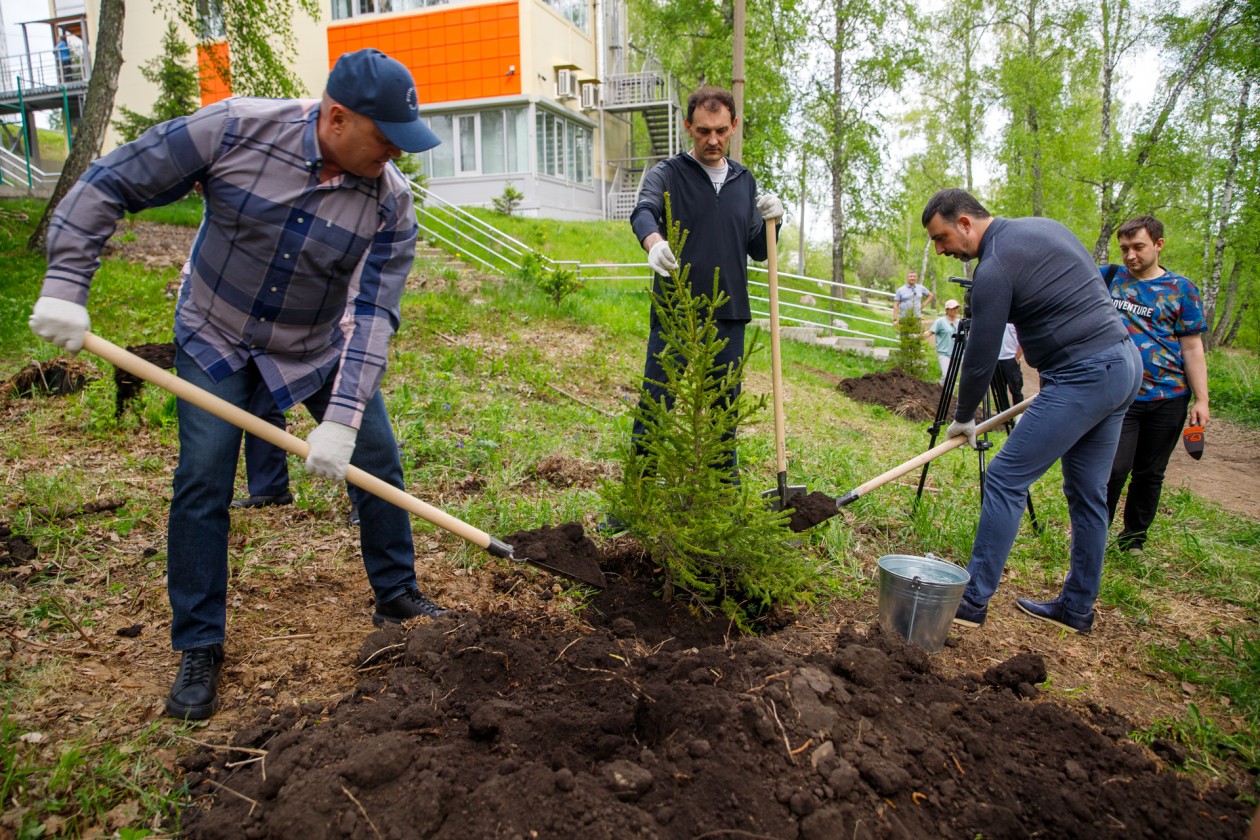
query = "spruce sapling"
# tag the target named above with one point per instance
(714, 539)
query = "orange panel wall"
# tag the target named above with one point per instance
(213, 86)
(453, 54)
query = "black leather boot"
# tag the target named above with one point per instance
(195, 693)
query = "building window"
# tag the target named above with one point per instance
(342, 9)
(440, 161)
(576, 12)
(210, 20)
(564, 148)
(490, 142)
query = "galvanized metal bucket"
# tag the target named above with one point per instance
(918, 597)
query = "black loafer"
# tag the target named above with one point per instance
(195, 693)
(285, 498)
(410, 604)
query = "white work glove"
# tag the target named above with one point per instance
(332, 444)
(969, 429)
(769, 206)
(661, 258)
(61, 322)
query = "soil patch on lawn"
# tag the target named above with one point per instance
(56, 377)
(903, 395)
(654, 722)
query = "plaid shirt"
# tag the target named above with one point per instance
(276, 257)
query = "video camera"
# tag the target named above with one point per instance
(966, 283)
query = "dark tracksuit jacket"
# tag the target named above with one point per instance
(725, 228)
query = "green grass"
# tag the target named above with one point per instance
(1225, 669)
(186, 212)
(1234, 386)
(85, 786)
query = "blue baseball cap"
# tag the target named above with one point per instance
(371, 83)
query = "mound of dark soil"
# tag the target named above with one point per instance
(903, 395)
(127, 386)
(57, 377)
(564, 549)
(503, 725)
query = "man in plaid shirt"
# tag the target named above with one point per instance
(303, 205)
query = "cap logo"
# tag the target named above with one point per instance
(413, 102)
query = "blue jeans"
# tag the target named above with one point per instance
(197, 538)
(266, 465)
(1076, 418)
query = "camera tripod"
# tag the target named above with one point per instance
(998, 393)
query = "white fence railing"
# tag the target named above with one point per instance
(16, 171)
(476, 240)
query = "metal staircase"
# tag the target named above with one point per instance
(651, 94)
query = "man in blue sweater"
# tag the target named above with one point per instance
(715, 199)
(1035, 274)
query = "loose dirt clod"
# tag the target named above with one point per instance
(903, 395)
(498, 726)
(812, 509)
(15, 549)
(565, 549)
(128, 386)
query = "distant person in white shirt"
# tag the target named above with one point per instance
(1008, 364)
(910, 295)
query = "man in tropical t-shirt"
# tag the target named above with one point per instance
(1165, 320)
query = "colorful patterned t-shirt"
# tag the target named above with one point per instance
(1157, 313)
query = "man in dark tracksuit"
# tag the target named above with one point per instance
(1035, 274)
(716, 200)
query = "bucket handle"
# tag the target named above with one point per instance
(916, 584)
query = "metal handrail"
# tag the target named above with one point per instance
(15, 168)
(476, 239)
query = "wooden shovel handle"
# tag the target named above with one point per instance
(260, 428)
(933, 453)
(776, 360)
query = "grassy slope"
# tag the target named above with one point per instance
(473, 392)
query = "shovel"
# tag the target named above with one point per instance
(780, 497)
(930, 455)
(583, 571)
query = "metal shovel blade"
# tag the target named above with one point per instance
(575, 568)
(780, 497)
(1192, 439)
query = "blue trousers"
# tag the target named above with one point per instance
(197, 538)
(267, 465)
(1075, 418)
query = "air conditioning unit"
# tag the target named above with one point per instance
(590, 95)
(566, 84)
